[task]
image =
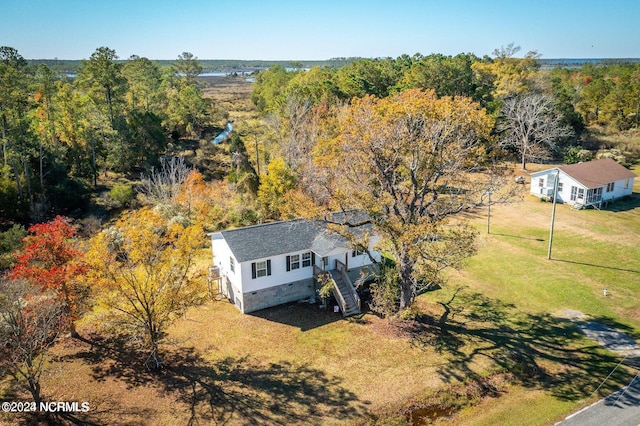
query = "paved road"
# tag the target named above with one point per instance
(621, 408)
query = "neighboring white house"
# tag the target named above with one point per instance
(274, 263)
(584, 184)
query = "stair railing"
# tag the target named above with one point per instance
(325, 276)
(343, 271)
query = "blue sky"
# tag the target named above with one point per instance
(319, 29)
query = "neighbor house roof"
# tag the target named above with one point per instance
(276, 238)
(597, 173)
(594, 174)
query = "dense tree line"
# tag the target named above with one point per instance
(604, 95)
(58, 133)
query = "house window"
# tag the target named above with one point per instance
(232, 264)
(306, 259)
(261, 269)
(357, 252)
(574, 193)
(594, 195)
(610, 186)
(541, 182)
(559, 186)
(580, 193)
(626, 184)
(295, 261)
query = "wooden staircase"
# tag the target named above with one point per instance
(342, 288)
(347, 294)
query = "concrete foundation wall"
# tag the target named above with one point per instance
(273, 296)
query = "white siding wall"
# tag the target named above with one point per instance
(221, 258)
(279, 274)
(567, 183)
(621, 188)
(362, 260)
(564, 193)
(336, 254)
(352, 262)
(547, 177)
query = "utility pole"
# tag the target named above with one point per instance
(553, 214)
(489, 191)
(489, 212)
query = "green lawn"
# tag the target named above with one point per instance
(592, 250)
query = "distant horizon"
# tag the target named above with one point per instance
(333, 58)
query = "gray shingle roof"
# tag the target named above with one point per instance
(272, 239)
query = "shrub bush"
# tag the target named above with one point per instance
(122, 194)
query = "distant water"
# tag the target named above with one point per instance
(222, 136)
(224, 74)
(245, 73)
(580, 62)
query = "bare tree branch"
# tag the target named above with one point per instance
(530, 125)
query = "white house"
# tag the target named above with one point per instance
(584, 184)
(266, 265)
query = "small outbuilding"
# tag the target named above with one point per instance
(588, 184)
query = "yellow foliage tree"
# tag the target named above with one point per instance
(274, 185)
(505, 75)
(411, 162)
(143, 269)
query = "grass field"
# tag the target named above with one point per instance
(506, 355)
(592, 250)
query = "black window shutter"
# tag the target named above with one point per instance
(268, 266)
(253, 270)
(288, 263)
(313, 258)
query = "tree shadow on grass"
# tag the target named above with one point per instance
(634, 271)
(232, 389)
(517, 236)
(538, 350)
(278, 393)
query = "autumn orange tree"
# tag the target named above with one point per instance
(194, 198)
(52, 260)
(412, 162)
(144, 268)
